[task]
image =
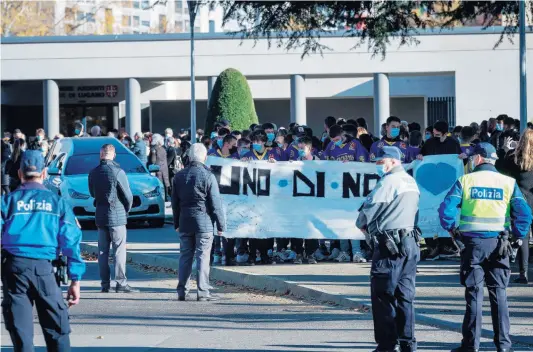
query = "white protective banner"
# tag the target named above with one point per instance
(318, 199)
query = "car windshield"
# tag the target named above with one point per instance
(83, 164)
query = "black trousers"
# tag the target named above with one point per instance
(480, 266)
(392, 287)
(26, 282)
(263, 245)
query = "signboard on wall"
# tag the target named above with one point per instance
(101, 93)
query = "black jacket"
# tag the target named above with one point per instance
(524, 179)
(196, 201)
(434, 146)
(111, 191)
(158, 156)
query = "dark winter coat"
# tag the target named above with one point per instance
(111, 191)
(158, 156)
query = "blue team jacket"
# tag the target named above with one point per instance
(37, 223)
(520, 211)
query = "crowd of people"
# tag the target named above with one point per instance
(345, 140)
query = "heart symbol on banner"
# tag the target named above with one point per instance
(436, 178)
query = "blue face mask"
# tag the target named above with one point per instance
(257, 147)
(243, 151)
(380, 170)
(295, 140)
(220, 143)
(338, 143)
(301, 153)
(428, 136)
(280, 145)
(39, 138)
(271, 136)
(77, 131)
(214, 135)
(395, 132)
(499, 127)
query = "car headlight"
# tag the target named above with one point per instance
(155, 193)
(77, 195)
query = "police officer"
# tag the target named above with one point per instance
(491, 205)
(388, 218)
(36, 225)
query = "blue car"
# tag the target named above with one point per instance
(69, 162)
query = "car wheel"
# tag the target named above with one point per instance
(156, 223)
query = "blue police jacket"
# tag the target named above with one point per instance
(37, 224)
(520, 210)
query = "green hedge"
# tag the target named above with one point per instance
(231, 100)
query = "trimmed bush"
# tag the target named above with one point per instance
(231, 100)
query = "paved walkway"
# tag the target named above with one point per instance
(439, 299)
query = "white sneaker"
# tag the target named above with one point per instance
(343, 258)
(223, 261)
(242, 258)
(334, 254)
(358, 257)
(217, 259)
(319, 256)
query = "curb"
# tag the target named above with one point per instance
(268, 283)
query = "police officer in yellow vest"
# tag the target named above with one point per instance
(492, 206)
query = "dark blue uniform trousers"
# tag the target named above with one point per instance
(480, 265)
(25, 282)
(392, 285)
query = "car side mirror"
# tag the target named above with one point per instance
(54, 171)
(154, 168)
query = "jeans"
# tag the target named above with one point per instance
(345, 246)
(192, 244)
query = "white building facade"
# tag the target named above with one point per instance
(142, 82)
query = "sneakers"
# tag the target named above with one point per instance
(285, 255)
(242, 258)
(434, 254)
(223, 261)
(367, 254)
(298, 259)
(522, 279)
(450, 252)
(319, 256)
(311, 259)
(343, 258)
(334, 254)
(291, 255)
(217, 259)
(125, 289)
(359, 257)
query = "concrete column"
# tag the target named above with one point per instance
(133, 106)
(381, 101)
(298, 100)
(211, 80)
(51, 107)
(116, 117)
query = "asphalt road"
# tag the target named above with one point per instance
(243, 320)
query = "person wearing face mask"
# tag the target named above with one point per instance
(428, 134)
(243, 147)
(260, 152)
(168, 133)
(40, 142)
(438, 145)
(491, 207)
(392, 138)
(79, 130)
(281, 140)
(345, 147)
(388, 218)
(496, 128)
(223, 248)
(218, 141)
(291, 153)
(271, 134)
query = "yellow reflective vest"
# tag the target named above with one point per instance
(486, 202)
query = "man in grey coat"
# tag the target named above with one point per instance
(197, 208)
(109, 186)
